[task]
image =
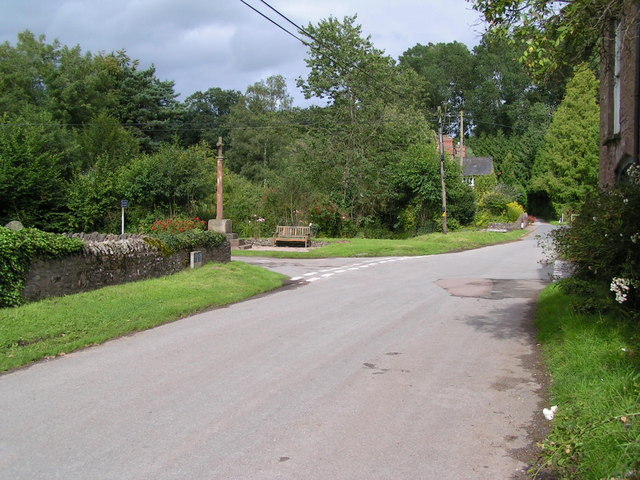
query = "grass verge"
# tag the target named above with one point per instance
(60, 325)
(592, 352)
(423, 245)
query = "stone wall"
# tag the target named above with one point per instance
(522, 222)
(109, 262)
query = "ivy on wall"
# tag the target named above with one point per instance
(19, 248)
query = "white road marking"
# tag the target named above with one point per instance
(330, 272)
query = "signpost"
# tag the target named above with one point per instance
(123, 204)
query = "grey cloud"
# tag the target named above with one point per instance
(221, 43)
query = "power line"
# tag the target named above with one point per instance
(332, 50)
(275, 23)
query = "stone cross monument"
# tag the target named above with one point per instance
(220, 224)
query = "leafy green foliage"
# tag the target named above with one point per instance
(35, 163)
(417, 184)
(566, 167)
(169, 243)
(446, 70)
(177, 225)
(592, 356)
(206, 114)
(603, 239)
(170, 180)
(18, 249)
(556, 35)
(259, 128)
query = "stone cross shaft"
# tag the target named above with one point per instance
(219, 200)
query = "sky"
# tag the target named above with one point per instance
(200, 44)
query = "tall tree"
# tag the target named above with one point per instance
(566, 168)
(502, 94)
(205, 115)
(445, 69)
(35, 165)
(368, 97)
(259, 130)
(144, 102)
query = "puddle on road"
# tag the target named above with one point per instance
(490, 288)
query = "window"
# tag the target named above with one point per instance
(616, 78)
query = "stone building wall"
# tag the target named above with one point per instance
(105, 263)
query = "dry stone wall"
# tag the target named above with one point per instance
(109, 260)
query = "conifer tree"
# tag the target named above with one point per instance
(566, 167)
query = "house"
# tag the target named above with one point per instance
(451, 148)
(473, 167)
(619, 86)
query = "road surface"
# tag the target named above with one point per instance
(394, 368)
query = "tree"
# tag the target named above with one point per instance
(169, 181)
(556, 35)
(105, 148)
(501, 94)
(445, 69)
(259, 129)
(566, 167)
(369, 98)
(206, 113)
(418, 189)
(35, 165)
(144, 102)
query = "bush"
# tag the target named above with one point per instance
(170, 243)
(177, 225)
(603, 242)
(18, 249)
(514, 210)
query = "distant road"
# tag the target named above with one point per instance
(399, 368)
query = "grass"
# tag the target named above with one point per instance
(60, 325)
(593, 355)
(430, 244)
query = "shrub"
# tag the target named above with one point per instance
(177, 225)
(169, 243)
(603, 242)
(514, 210)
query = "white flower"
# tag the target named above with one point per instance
(620, 286)
(634, 173)
(549, 413)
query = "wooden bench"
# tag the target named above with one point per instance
(292, 234)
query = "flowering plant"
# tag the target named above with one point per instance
(621, 287)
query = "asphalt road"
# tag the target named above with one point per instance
(398, 368)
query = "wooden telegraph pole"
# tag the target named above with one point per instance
(219, 197)
(462, 154)
(442, 176)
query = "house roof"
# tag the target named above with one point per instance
(472, 166)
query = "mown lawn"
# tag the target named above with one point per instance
(60, 325)
(430, 244)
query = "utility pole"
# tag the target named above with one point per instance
(442, 178)
(462, 152)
